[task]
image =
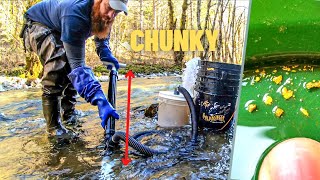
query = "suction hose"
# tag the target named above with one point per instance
(135, 144)
(114, 138)
(194, 119)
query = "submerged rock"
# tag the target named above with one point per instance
(15, 83)
(152, 110)
(1, 88)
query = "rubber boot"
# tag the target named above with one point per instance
(68, 102)
(51, 112)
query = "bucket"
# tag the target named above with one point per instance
(173, 110)
(217, 91)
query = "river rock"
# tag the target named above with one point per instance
(121, 77)
(151, 111)
(103, 78)
(1, 88)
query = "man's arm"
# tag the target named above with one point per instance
(86, 84)
(75, 55)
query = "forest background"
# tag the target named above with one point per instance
(227, 16)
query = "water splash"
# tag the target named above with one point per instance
(190, 75)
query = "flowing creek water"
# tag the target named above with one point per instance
(26, 152)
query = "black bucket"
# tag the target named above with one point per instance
(217, 86)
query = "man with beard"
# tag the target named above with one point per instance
(57, 30)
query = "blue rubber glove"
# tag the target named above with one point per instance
(105, 109)
(89, 88)
(104, 51)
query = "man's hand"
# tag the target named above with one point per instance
(105, 111)
(104, 51)
(106, 55)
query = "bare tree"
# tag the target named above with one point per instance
(180, 54)
(214, 25)
(154, 14)
(233, 25)
(172, 21)
(141, 25)
(199, 14)
(205, 44)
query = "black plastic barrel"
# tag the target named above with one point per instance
(217, 86)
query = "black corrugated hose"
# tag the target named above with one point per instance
(194, 116)
(135, 144)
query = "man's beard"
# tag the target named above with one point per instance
(99, 27)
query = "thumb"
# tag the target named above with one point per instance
(114, 114)
(103, 124)
(117, 65)
(109, 67)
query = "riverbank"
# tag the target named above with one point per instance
(13, 80)
(15, 83)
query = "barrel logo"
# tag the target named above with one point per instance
(213, 118)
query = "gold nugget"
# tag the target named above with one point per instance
(310, 85)
(252, 107)
(277, 79)
(287, 94)
(304, 112)
(278, 111)
(257, 79)
(267, 99)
